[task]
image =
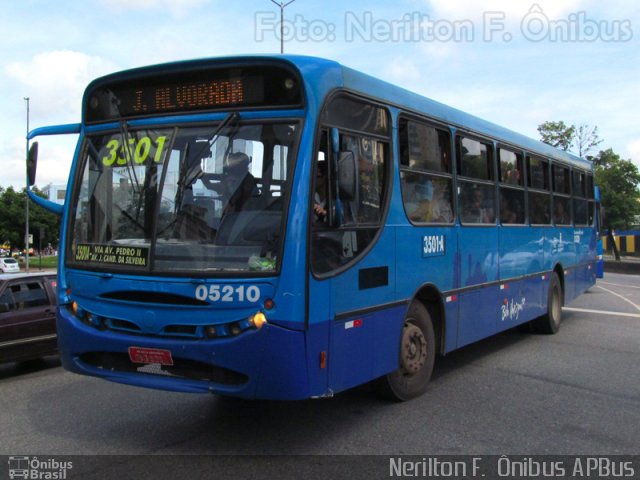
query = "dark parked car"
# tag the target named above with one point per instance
(27, 316)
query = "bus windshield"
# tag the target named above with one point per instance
(184, 199)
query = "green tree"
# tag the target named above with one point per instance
(557, 134)
(586, 139)
(618, 180)
(12, 220)
(580, 139)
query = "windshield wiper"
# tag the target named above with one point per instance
(230, 119)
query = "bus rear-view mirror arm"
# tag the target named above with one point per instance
(32, 165)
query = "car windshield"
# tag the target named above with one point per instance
(183, 200)
(9, 261)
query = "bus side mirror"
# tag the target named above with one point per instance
(32, 164)
(347, 176)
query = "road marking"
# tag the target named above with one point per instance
(619, 296)
(619, 285)
(601, 312)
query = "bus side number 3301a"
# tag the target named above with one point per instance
(228, 293)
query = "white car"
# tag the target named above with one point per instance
(9, 265)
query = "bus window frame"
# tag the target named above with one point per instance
(520, 187)
(387, 193)
(538, 191)
(466, 180)
(432, 174)
(558, 194)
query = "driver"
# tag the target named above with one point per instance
(238, 183)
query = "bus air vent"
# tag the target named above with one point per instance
(164, 298)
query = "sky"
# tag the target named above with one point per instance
(513, 62)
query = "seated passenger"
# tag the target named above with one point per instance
(237, 185)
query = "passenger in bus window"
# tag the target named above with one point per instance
(513, 177)
(442, 211)
(477, 208)
(560, 216)
(507, 212)
(436, 206)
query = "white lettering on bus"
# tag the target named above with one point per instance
(228, 293)
(433, 245)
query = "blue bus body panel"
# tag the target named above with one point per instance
(364, 347)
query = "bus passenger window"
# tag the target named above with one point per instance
(539, 208)
(426, 173)
(512, 206)
(423, 147)
(511, 171)
(474, 159)
(477, 203)
(427, 199)
(561, 210)
(580, 212)
(540, 200)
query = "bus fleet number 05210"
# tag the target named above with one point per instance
(228, 293)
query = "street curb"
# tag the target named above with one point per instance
(611, 266)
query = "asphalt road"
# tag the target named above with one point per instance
(577, 392)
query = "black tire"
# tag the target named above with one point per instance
(417, 356)
(550, 322)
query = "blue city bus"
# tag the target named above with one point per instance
(284, 227)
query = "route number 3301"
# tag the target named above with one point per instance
(228, 293)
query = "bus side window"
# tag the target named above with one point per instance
(539, 195)
(425, 172)
(476, 187)
(561, 195)
(477, 202)
(512, 200)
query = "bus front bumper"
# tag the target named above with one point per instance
(255, 364)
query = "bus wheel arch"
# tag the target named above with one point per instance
(431, 298)
(419, 345)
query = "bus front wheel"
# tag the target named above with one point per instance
(417, 356)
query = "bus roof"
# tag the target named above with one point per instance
(321, 73)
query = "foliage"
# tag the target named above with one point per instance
(586, 139)
(618, 180)
(12, 220)
(581, 139)
(557, 134)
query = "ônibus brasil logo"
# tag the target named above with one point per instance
(33, 468)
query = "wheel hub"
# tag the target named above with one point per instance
(414, 349)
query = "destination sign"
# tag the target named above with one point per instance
(112, 255)
(208, 89)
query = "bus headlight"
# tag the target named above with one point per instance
(258, 320)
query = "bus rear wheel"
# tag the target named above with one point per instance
(550, 322)
(417, 356)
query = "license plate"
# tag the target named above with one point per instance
(150, 355)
